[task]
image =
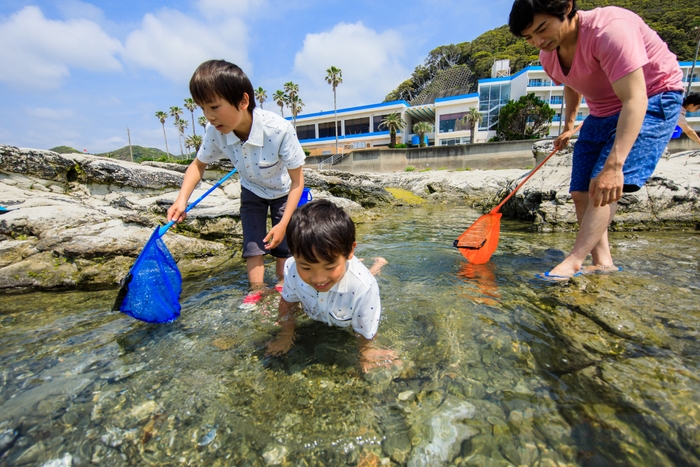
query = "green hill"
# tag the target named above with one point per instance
(674, 21)
(140, 154)
(64, 150)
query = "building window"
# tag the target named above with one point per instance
(376, 120)
(306, 132)
(452, 122)
(357, 126)
(556, 100)
(491, 99)
(325, 130)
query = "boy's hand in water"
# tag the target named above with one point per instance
(280, 345)
(371, 359)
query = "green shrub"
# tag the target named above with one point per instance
(427, 169)
(400, 146)
(409, 168)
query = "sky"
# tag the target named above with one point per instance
(79, 74)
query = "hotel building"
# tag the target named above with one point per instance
(359, 127)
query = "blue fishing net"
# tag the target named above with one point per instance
(151, 290)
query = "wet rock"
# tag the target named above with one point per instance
(65, 461)
(7, 439)
(274, 454)
(27, 402)
(437, 436)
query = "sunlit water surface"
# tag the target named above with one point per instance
(82, 385)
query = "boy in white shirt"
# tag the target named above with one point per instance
(332, 285)
(691, 103)
(266, 152)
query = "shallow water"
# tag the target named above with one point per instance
(494, 365)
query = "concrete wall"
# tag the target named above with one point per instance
(682, 144)
(502, 155)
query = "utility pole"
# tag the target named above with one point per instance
(692, 68)
(131, 153)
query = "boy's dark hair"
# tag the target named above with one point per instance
(523, 12)
(692, 99)
(219, 78)
(320, 231)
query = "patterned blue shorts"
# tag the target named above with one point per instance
(598, 134)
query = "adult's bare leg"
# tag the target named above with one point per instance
(593, 227)
(602, 257)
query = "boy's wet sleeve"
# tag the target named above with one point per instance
(365, 320)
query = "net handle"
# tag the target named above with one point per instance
(165, 228)
(532, 172)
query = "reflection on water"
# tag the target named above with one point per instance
(498, 368)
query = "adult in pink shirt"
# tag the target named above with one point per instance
(632, 85)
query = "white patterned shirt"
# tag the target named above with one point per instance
(262, 161)
(354, 300)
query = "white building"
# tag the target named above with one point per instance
(358, 127)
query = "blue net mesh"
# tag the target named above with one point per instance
(151, 291)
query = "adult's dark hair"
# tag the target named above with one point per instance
(523, 12)
(320, 231)
(692, 99)
(219, 78)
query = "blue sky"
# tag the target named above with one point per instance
(79, 73)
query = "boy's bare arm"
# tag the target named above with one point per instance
(276, 234)
(285, 339)
(193, 176)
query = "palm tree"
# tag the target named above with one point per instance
(160, 115)
(334, 77)
(473, 119)
(291, 89)
(260, 95)
(203, 121)
(176, 112)
(191, 105)
(181, 125)
(194, 141)
(393, 122)
(295, 105)
(280, 99)
(421, 128)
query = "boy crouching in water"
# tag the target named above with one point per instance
(329, 281)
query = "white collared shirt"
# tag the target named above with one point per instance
(354, 300)
(262, 161)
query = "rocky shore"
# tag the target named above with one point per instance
(79, 221)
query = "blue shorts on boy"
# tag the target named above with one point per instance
(262, 162)
(353, 301)
(598, 135)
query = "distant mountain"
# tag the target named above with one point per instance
(64, 150)
(140, 154)
(675, 21)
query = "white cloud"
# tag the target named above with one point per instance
(45, 113)
(174, 44)
(368, 59)
(38, 53)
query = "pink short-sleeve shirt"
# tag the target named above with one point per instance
(612, 43)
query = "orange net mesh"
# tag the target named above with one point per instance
(479, 241)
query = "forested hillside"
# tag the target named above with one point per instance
(677, 22)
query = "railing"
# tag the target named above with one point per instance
(335, 158)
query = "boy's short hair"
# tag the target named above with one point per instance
(523, 12)
(219, 78)
(692, 99)
(320, 231)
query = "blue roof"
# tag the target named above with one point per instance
(352, 109)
